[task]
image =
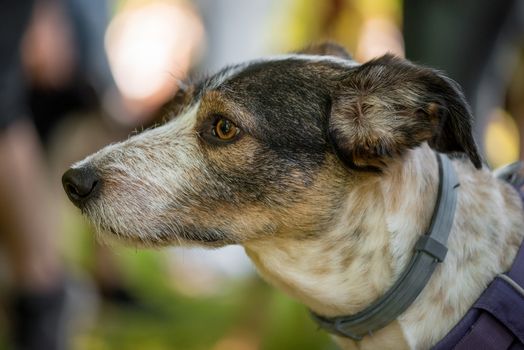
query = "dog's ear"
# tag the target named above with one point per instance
(389, 105)
(326, 48)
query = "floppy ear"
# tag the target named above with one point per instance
(326, 48)
(389, 105)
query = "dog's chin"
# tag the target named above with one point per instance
(113, 237)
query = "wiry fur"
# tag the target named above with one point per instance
(328, 185)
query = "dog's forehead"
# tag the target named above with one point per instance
(279, 67)
(265, 77)
(278, 85)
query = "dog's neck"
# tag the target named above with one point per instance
(348, 267)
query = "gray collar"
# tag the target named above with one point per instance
(429, 250)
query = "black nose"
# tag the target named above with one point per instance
(80, 184)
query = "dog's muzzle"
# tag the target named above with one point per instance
(81, 184)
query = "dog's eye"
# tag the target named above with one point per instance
(225, 129)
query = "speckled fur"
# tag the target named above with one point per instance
(328, 187)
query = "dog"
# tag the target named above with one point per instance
(324, 170)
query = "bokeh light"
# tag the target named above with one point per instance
(151, 45)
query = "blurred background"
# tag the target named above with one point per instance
(76, 75)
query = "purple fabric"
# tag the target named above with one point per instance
(458, 332)
(517, 270)
(486, 334)
(516, 346)
(496, 320)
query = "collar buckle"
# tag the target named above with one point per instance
(431, 246)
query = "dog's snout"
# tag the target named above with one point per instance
(80, 184)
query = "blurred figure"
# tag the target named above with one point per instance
(62, 68)
(68, 73)
(27, 220)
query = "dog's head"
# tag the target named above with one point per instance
(268, 147)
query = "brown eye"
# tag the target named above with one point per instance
(225, 129)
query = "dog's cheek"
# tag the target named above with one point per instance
(264, 183)
(227, 224)
(269, 195)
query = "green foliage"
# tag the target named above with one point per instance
(248, 314)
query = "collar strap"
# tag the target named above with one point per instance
(429, 250)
